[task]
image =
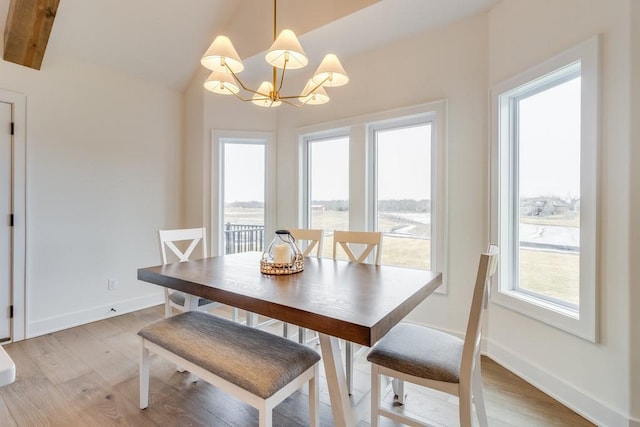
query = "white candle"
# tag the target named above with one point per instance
(281, 254)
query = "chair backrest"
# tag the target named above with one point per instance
(486, 269)
(313, 236)
(194, 235)
(372, 240)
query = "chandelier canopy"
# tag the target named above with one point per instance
(285, 53)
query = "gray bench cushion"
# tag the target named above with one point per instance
(257, 361)
(178, 297)
(419, 351)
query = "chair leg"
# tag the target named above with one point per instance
(375, 395)
(465, 408)
(144, 375)
(314, 398)
(252, 319)
(302, 335)
(285, 330)
(167, 303)
(349, 366)
(478, 395)
(398, 390)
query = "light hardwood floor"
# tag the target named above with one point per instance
(88, 376)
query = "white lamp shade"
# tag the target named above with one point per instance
(263, 99)
(319, 96)
(222, 83)
(330, 72)
(220, 52)
(286, 49)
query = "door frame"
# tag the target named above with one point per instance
(18, 103)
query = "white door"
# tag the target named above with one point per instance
(6, 174)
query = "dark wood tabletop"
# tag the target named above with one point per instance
(356, 302)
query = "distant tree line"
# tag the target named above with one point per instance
(402, 205)
(246, 205)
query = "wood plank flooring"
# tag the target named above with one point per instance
(88, 376)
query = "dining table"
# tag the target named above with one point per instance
(355, 302)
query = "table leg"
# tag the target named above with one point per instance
(343, 414)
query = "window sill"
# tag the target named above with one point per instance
(576, 322)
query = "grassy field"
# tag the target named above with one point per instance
(549, 273)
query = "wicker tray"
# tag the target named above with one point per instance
(278, 268)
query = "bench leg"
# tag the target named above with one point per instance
(265, 414)
(375, 395)
(144, 375)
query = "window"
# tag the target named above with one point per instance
(544, 190)
(381, 172)
(327, 185)
(244, 188)
(241, 215)
(402, 190)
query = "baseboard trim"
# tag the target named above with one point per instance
(587, 406)
(70, 320)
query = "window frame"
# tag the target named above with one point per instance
(581, 321)
(218, 138)
(361, 206)
(305, 187)
(428, 118)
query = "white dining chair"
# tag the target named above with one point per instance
(371, 240)
(364, 243)
(307, 239)
(435, 359)
(191, 238)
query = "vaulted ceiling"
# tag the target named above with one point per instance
(162, 40)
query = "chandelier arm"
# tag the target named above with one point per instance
(291, 103)
(316, 87)
(293, 97)
(235, 77)
(240, 98)
(282, 76)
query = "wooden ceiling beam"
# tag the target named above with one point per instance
(27, 31)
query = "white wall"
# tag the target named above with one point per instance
(103, 174)
(634, 217)
(592, 378)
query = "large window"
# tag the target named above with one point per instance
(402, 190)
(544, 187)
(328, 185)
(381, 172)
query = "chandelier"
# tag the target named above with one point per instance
(285, 53)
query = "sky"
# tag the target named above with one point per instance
(549, 132)
(404, 167)
(244, 172)
(550, 142)
(404, 158)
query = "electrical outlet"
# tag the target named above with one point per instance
(112, 284)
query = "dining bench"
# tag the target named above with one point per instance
(254, 366)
